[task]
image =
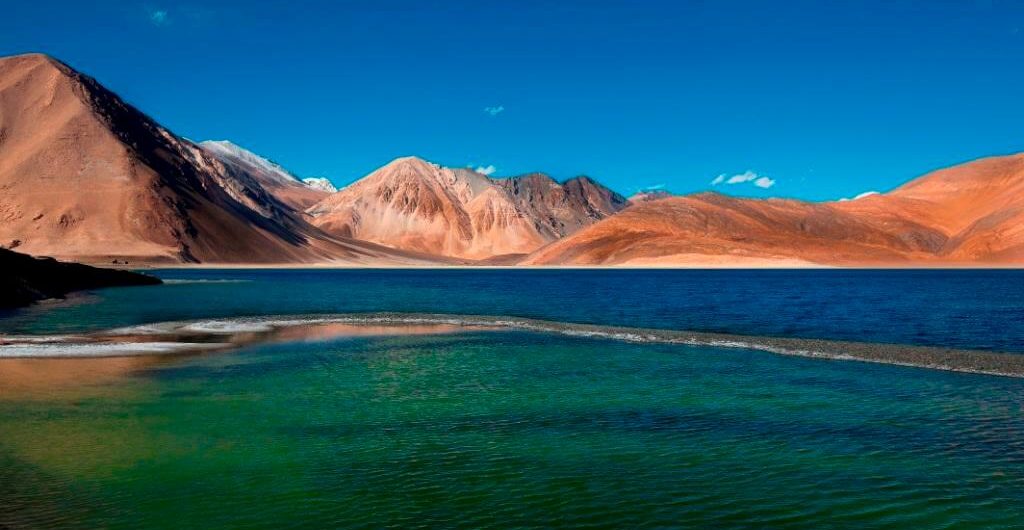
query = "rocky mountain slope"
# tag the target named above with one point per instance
(86, 176)
(415, 205)
(284, 186)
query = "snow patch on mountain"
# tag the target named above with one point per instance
(320, 183)
(230, 153)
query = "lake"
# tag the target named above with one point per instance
(444, 425)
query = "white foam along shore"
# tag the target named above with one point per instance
(57, 349)
(216, 333)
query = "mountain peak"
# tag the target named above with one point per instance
(25, 57)
(409, 163)
(32, 58)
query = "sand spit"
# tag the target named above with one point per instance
(200, 337)
(230, 333)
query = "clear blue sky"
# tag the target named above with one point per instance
(827, 99)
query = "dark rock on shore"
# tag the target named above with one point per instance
(25, 279)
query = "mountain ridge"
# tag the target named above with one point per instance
(969, 214)
(86, 176)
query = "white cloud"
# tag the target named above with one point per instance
(494, 111)
(746, 176)
(486, 170)
(158, 17)
(743, 178)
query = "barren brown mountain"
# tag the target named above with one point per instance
(971, 214)
(415, 205)
(86, 176)
(561, 209)
(977, 206)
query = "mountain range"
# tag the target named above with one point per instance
(86, 176)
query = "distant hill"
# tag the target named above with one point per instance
(971, 214)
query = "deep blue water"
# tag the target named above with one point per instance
(953, 308)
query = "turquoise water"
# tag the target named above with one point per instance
(511, 429)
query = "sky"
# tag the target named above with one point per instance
(806, 99)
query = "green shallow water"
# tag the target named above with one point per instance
(514, 429)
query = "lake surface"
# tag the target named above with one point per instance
(503, 428)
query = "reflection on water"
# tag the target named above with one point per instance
(61, 364)
(512, 429)
(46, 378)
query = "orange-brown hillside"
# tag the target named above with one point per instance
(414, 205)
(85, 176)
(971, 214)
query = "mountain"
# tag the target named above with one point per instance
(283, 185)
(561, 209)
(415, 205)
(27, 279)
(965, 215)
(713, 230)
(86, 176)
(977, 206)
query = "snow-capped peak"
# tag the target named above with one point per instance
(320, 183)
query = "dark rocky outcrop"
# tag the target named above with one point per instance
(26, 279)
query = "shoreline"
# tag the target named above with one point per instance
(694, 267)
(222, 334)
